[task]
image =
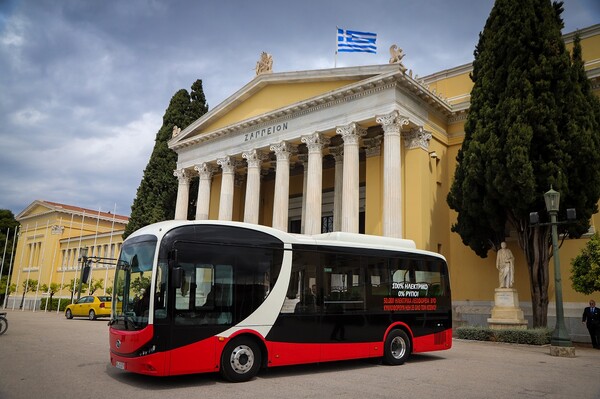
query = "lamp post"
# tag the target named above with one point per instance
(560, 336)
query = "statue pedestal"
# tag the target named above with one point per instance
(506, 313)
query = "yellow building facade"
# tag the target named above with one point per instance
(368, 149)
(50, 238)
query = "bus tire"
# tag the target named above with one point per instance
(397, 348)
(240, 360)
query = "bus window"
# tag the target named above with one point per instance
(430, 276)
(303, 295)
(343, 284)
(160, 299)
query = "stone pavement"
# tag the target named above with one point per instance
(47, 356)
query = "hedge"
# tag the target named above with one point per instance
(54, 304)
(536, 336)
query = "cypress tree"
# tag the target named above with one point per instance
(531, 125)
(157, 192)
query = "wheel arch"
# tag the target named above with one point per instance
(254, 336)
(400, 326)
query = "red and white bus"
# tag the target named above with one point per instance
(208, 296)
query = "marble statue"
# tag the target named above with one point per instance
(264, 64)
(396, 55)
(505, 263)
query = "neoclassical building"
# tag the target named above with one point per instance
(49, 247)
(368, 149)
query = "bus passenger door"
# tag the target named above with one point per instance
(296, 334)
(202, 309)
(343, 325)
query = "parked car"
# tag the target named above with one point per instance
(89, 306)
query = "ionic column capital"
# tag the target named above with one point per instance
(283, 150)
(315, 142)
(373, 146)
(351, 133)
(392, 123)
(228, 164)
(417, 138)
(205, 170)
(182, 175)
(337, 152)
(254, 158)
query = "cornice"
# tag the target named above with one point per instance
(584, 33)
(370, 86)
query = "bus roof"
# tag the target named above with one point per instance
(342, 239)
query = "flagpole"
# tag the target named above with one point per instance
(20, 261)
(40, 263)
(65, 265)
(94, 248)
(336, 50)
(110, 251)
(10, 265)
(4, 253)
(52, 266)
(31, 258)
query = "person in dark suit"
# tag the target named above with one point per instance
(591, 318)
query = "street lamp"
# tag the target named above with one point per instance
(560, 336)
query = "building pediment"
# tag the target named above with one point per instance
(40, 207)
(266, 100)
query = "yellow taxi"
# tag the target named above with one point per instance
(89, 306)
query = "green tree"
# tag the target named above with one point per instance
(585, 274)
(52, 289)
(28, 285)
(157, 193)
(8, 224)
(532, 123)
(96, 285)
(74, 285)
(3, 292)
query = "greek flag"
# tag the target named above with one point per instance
(351, 41)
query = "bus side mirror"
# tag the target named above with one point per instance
(176, 277)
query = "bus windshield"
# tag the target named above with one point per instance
(131, 293)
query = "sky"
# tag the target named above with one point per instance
(84, 84)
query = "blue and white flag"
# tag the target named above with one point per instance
(351, 41)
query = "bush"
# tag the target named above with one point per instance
(54, 304)
(536, 336)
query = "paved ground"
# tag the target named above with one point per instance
(43, 355)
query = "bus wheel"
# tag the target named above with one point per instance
(396, 348)
(240, 360)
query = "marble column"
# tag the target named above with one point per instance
(373, 185)
(303, 158)
(314, 194)
(228, 165)
(392, 179)
(351, 135)
(205, 171)
(252, 203)
(282, 151)
(183, 194)
(338, 186)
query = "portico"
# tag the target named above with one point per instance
(338, 134)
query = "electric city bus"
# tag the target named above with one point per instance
(229, 297)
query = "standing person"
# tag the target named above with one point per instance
(591, 318)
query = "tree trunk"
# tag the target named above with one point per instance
(534, 242)
(22, 300)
